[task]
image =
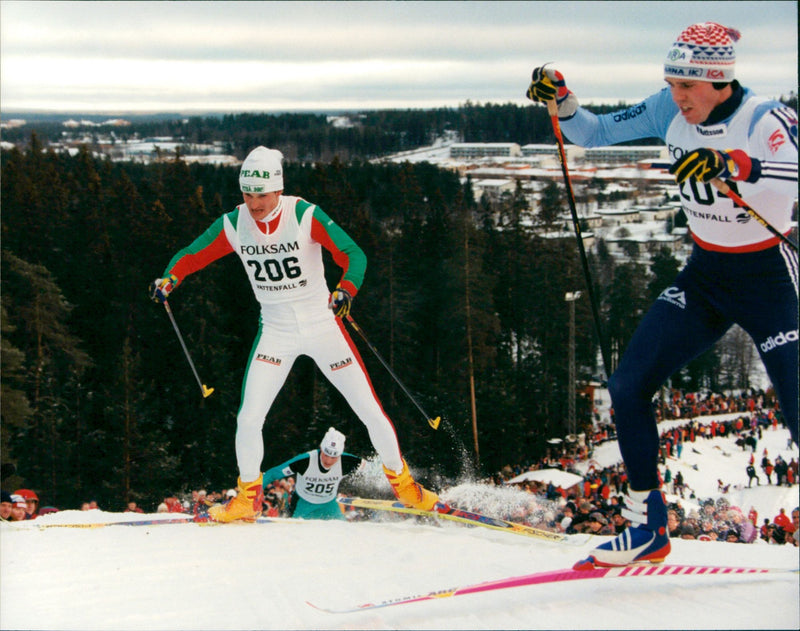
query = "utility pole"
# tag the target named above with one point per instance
(468, 311)
(571, 297)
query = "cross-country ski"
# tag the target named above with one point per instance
(144, 521)
(470, 518)
(559, 576)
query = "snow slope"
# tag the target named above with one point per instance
(190, 576)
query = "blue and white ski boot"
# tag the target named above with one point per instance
(646, 539)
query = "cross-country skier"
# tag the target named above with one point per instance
(738, 271)
(317, 477)
(279, 239)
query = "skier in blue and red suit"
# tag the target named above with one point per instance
(738, 273)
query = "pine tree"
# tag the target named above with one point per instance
(54, 363)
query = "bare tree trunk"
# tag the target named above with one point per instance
(471, 361)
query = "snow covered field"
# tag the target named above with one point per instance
(190, 576)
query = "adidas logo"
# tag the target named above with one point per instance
(780, 339)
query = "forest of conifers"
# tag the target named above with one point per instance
(99, 402)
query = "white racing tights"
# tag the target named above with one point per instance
(328, 344)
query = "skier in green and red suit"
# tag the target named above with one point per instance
(279, 240)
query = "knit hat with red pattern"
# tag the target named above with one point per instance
(703, 52)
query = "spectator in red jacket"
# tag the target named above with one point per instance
(173, 505)
(782, 520)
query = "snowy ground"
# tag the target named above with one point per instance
(189, 576)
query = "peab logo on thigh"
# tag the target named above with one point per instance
(344, 363)
(781, 339)
(268, 359)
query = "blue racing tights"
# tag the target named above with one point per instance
(714, 291)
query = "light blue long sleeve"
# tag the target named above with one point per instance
(648, 119)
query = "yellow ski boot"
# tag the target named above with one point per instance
(246, 506)
(408, 491)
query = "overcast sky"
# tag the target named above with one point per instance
(264, 56)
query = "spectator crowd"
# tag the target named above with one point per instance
(595, 505)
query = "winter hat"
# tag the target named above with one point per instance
(262, 171)
(18, 501)
(333, 443)
(6, 497)
(703, 52)
(27, 494)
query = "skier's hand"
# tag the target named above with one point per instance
(340, 302)
(547, 85)
(705, 164)
(160, 288)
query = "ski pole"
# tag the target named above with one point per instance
(723, 188)
(205, 390)
(433, 422)
(552, 110)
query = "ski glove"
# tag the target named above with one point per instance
(160, 288)
(705, 164)
(340, 302)
(547, 85)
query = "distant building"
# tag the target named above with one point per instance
(592, 221)
(658, 213)
(116, 122)
(485, 150)
(625, 154)
(340, 122)
(619, 216)
(573, 152)
(643, 239)
(494, 188)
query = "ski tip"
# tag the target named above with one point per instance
(585, 565)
